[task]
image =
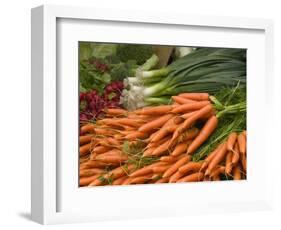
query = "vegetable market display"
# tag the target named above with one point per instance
(141, 123)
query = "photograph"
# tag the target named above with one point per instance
(153, 114)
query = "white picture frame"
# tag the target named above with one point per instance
(56, 199)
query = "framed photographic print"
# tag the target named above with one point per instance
(139, 115)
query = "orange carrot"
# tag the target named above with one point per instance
(125, 132)
(84, 181)
(128, 122)
(208, 115)
(160, 142)
(235, 157)
(190, 167)
(119, 137)
(203, 118)
(160, 134)
(175, 166)
(149, 151)
(142, 118)
(200, 113)
(157, 163)
(168, 128)
(141, 172)
(127, 181)
(181, 100)
(104, 131)
(190, 107)
(168, 159)
(98, 182)
(114, 159)
(206, 178)
(160, 169)
(189, 114)
(195, 96)
(244, 162)
(136, 135)
(217, 159)
(83, 159)
(156, 110)
(179, 149)
(189, 121)
(152, 135)
(155, 124)
(127, 128)
(89, 172)
(85, 149)
(88, 128)
(242, 143)
(161, 150)
(85, 139)
(92, 164)
(119, 181)
(101, 149)
(188, 135)
(228, 163)
(116, 111)
(104, 142)
(141, 179)
(162, 180)
(216, 178)
(119, 172)
(210, 157)
(112, 152)
(217, 171)
(178, 120)
(154, 178)
(237, 173)
(205, 132)
(198, 176)
(108, 122)
(231, 141)
(113, 141)
(175, 177)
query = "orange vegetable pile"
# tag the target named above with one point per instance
(155, 145)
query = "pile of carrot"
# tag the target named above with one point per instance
(168, 137)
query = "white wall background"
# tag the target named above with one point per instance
(15, 114)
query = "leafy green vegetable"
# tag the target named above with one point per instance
(103, 50)
(91, 78)
(85, 50)
(101, 64)
(82, 89)
(140, 53)
(119, 72)
(97, 50)
(122, 70)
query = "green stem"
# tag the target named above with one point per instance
(218, 104)
(150, 63)
(155, 73)
(240, 107)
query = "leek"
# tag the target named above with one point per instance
(203, 70)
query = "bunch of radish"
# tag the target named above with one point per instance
(92, 104)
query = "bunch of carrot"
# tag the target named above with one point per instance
(228, 158)
(155, 144)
